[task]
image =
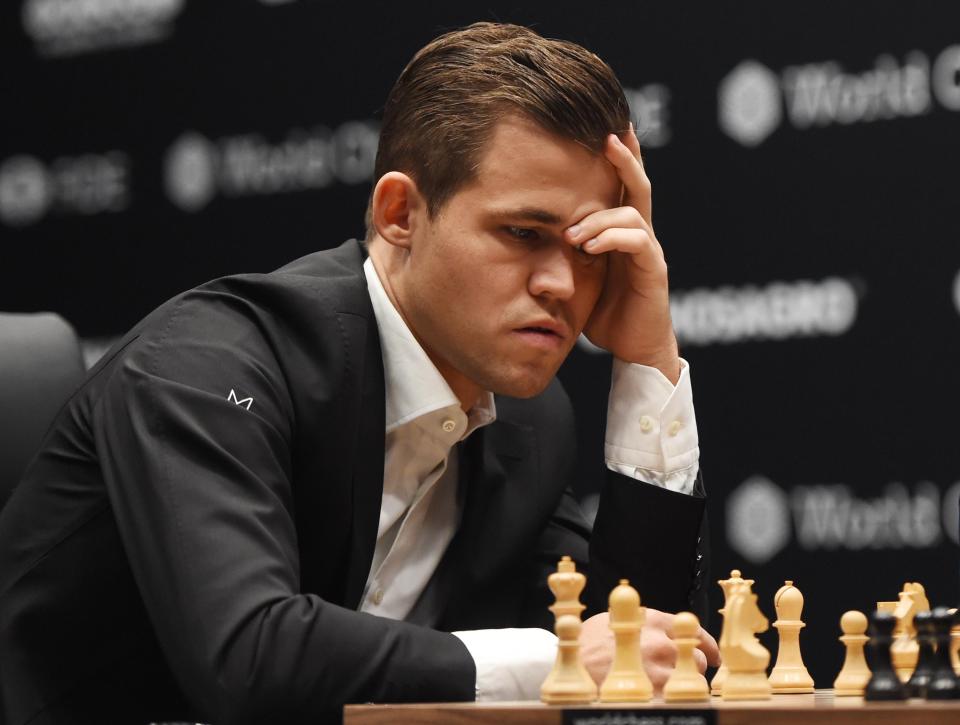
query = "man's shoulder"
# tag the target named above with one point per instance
(300, 298)
(268, 327)
(332, 279)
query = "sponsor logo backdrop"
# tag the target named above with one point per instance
(804, 159)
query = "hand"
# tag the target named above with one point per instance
(597, 646)
(632, 316)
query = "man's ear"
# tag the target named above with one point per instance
(398, 208)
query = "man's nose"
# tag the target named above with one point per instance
(553, 272)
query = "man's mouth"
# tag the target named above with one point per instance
(547, 327)
(546, 335)
(544, 330)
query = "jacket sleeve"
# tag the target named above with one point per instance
(193, 431)
(654, 537)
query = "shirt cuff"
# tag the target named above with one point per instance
(511, 663)
(651, 427)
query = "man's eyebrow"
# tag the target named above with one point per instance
(529, 212)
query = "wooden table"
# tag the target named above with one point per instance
(781, 710)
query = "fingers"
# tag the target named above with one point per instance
(635, 242)
(626, 159)
(625, 217)
(701, 660)
(658, 677)
(631, 141)
(622, 229)
(597, 646)
(708, 645)
(658, 649)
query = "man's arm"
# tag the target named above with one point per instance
(653, 537)
(201, 490)
(652, 439)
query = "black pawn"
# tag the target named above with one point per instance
(944, 684)
(884, 683)
(927, 658)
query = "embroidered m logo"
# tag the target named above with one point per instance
(245, 402)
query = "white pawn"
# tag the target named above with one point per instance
(686, 683)
(569, 681)
(627, 680)
(855, 673)
(789, 674)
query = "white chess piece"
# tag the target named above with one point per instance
(855, 673)
(789, 674)
(686, 684)
(568, 681)
(627, 681)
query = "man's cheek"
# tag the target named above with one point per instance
(592, 285)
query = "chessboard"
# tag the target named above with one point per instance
(819, 707)
(914, 653)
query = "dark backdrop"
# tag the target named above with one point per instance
(804, 158)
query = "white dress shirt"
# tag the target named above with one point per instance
(651, 435)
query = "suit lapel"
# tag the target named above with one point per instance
(368, 455)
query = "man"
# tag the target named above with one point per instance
(347, 480)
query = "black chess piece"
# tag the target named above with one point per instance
(927, 658)
(884, 683)
(944, 684)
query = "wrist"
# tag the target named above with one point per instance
(666, 360)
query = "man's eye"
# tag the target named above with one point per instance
(522, 233)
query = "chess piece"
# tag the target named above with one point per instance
(566, 583)
(943, 684)
(716, 684)
(881, 607)
(789, 674)
(884, 683)
(568, 681)
(854, 674)
(927, 657)
(626, 681)
(686, 684)
(904, 650)
(745, 657)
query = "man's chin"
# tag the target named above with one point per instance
(523, 386)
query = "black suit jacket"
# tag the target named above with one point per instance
(172, 554)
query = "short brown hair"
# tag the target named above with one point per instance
(444, 106)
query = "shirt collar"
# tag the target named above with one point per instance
(413, 385)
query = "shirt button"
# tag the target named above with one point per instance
(449, 426)
(646, 423)
(674, 428)
(377, 596)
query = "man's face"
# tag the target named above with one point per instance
(491, 288)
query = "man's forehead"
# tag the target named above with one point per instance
(525, 168)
